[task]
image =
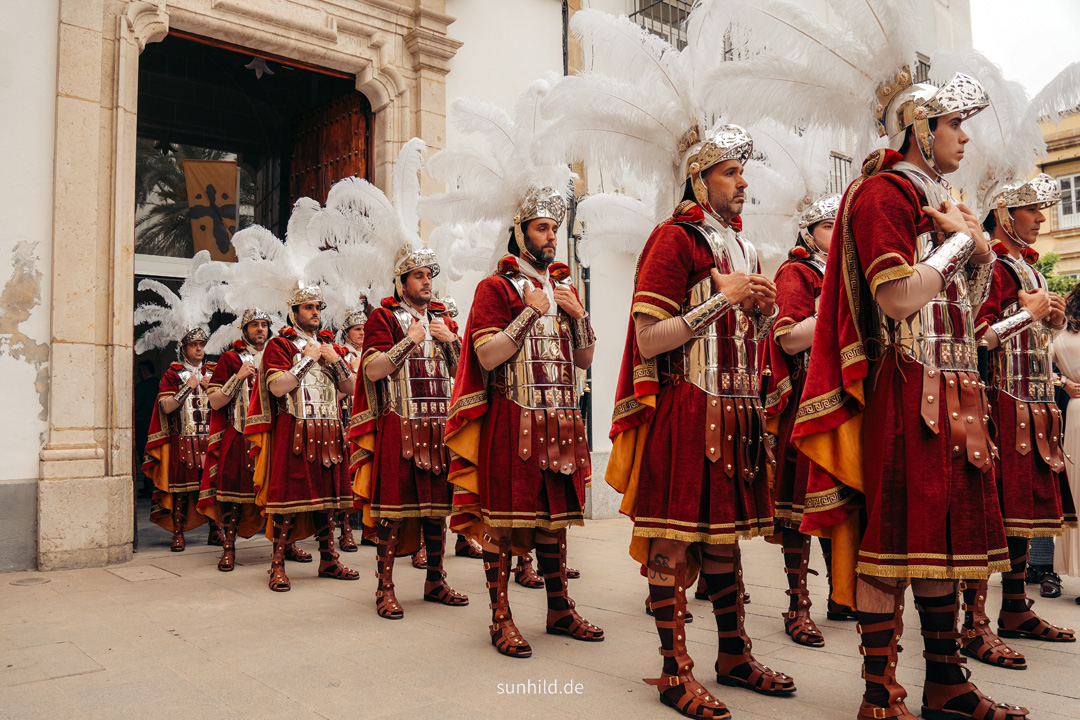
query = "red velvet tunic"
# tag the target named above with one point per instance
(399, 488)
(293, 485)
(928, 511)
(495, 484)
(1035, 499)
(798, 285)
(682, 494)
(229, 473)
(174, 481)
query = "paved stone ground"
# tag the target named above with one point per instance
(168, 636)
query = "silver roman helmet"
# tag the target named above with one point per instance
(824, 208)
(409, 260)
(304, 293)
(902, 104)
(1041, 190)
(724, 142)
(543, 202)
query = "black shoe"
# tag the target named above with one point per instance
(1031, 576)
(1050, 585)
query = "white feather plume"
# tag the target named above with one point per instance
(1005, 141)
(198, 299)
(1060, 97)
(615, 223)
(790, 171)
(799, 69)
(488, 183)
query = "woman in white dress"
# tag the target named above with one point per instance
(1067, 357)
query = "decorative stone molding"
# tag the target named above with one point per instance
(148, 22)
(299, 18)
(430, 50)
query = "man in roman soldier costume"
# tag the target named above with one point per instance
(1017, 323)
(227, 495)
(351, 334)
(398, 459)
(294, 417)
(894, 416)
(798, 287)
(180, 426)
(519, 456)
(410, 355)
(689, 428)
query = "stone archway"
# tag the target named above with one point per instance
(397, 53)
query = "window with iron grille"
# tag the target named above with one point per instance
(839, 173)
(666, 18)
(921, 71)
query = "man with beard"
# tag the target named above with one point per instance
(688, 447)
(227, 495)
(295, 425)
(411, 350)
(520, 457)
(179, 435)
(352, 339)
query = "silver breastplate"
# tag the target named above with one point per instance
(1021, 365)
(540, 375)
(238, 408)
(722, 358)
(421, 387)
(193, 415)
(939, 335)
(315, 398)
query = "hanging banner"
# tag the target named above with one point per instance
(211, 191)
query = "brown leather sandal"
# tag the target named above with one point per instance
(293, 553)
(577, 627)
(178, 542)
(464, 547)
(801, 628)
(977, 640)
(504, 633)
(758, 677)
(573, 573)
(730, 667)
(329, 564)
(279, 581)
(440, 592)
(1027, 624)
(695, 701)
(347, 543)
(215, 536)
(937, 696)
(679, 690)
(525, 575)
(562, 618)
(419, 559)
(386, 602)
(797, 622)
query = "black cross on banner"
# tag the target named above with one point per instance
(211, 190)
